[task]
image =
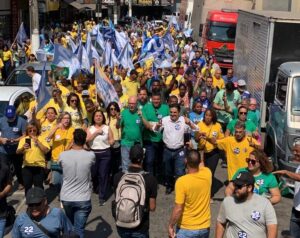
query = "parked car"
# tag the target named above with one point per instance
(19, 77)
(18, 96)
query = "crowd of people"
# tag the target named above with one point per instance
(171, 126)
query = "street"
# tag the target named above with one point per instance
(101, 223)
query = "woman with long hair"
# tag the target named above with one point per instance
(73, 107)
(34, 149)
(62, 139)
(100, 138)
(113, 113)
(265, 182)
(210, 129)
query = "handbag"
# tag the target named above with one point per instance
(10, 216)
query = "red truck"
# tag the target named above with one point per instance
(219, 36)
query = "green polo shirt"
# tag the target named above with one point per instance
(253, 116)
(152, 115)
(232, 100)
(250, 127)
(132, 127)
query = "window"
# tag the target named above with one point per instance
(222, 32)
(22, 103)
(281, 89)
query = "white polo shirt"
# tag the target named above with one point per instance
(36, 78)
(173, 134)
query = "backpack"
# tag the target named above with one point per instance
(128, 207)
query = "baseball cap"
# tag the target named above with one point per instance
(241, 82)
(10, 111)
(35, 195)
(85, 93)
(244, 178)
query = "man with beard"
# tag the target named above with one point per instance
(246, 214)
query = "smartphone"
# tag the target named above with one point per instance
(28, 141)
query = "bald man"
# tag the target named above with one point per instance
(131, 130)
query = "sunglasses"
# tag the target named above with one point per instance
(35, 204)
(251, 161)
(74, 100)
(240, 186)
(243, 113)
(113, 109)
(32, 130)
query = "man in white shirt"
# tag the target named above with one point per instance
(36, 78)
(174, 127)
(295, 217)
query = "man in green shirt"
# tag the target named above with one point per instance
(131, 130)
(225, 102)
(251, 128)
(153, 113)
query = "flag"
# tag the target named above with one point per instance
(105, 87)
(154, 45)
(43, 95)
(66, 58)
(21, 35)
(94, 55)
(188, 32)
(111, 24)
(108, 55)
(88, 43)
(169, 41)
(173, 22)
(84, 60)
(125, 59)
(100, 40)
(72, 45)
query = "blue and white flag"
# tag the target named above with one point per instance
(94, 55)
(173, 22)
(72, 45)
(188, 32)
(85, 61)
(94, 31)
(104, 87)
(169, 41)
(107, 33)
(125, 58)
(111, 24)
(66, 58)
(107, 60)
(43, 95)
(100, 41)
(88, 43)
(153, 45)
(21, 35)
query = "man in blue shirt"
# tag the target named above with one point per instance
(41, 221)
(12, 128)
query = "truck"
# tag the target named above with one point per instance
(267, 57)
(218, 36)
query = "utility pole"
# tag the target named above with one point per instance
(34, 25)
(130, 8)
(98, 10)
(115, 7)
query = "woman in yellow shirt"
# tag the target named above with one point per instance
(7, 61)
(62, 139)
(48, 123)
(74, 108)
(34, 149)
(209, 128)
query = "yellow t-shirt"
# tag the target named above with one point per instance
(73, 34)
(33, 156)
(92, 92)
(179, 78)
(116, 132)
(213, 130)
(46, 128)
(193, 190)
(77, 120)
(62, 139)
(218, 83)
(51, 103)
(131, 87)
(123, 101)
(236, 153)
(7, 55)
(64, 91)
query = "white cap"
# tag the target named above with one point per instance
(241, 82)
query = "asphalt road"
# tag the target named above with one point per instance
(101, 223)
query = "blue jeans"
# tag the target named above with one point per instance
(184, 233)
(78, 213)
(125, 157)
(2, 227)
(153, 157)
(295, 223)
(174, 164)
(126, 233)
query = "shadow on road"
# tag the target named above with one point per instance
(102, 228)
